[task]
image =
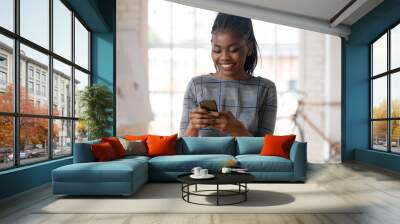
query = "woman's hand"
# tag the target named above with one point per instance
(228, 124)
(200, 118)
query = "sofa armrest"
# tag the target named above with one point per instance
(83, 152)
(298, 155)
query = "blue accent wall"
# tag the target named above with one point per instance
(24, 178)
(102, 63)
(103, 52)
(99, 16)
(357, 99)
(355, 92)
(102, 58)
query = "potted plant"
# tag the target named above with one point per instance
(96, 102)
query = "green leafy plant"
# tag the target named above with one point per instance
(96, 102)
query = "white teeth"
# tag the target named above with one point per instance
(226, 65)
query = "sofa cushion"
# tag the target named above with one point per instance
(116, 145)
(249, 145)
(257, 163)
(111, 171)
(103, 152)
(134, 147)
(161, 145)
(275, 145)
(131, 158)
(83, 152)
(136, 137)
(206, 145)
(185, 163)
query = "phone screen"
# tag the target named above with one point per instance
(209, 105)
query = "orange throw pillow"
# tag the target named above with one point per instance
(116, 145)
(103, 152)
(161, 145)
(277, 145)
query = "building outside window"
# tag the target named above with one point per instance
(3, 61)
(34, 79)
(55, 97)
(30, 87)
(3, 78)
(43, 90)
(38, 89)
(37, 75)
(3, 72)
(30, 72)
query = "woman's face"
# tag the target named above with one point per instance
(229, 54)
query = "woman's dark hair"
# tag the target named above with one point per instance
(244, 28)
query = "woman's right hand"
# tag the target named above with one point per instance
(202, 118)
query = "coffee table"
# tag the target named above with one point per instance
(238, 179)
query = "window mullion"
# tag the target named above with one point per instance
(50, 81)
(16, 84)
(73, 81)
(389, 101)
(371, 141)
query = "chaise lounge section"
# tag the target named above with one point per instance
(88, 177)
(125, 176)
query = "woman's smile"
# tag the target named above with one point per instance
(227, 66)
(229, 53)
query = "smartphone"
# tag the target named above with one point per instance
(209, 105)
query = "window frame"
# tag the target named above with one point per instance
(388, 74)
(16, 115)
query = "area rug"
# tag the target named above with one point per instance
(167, 198)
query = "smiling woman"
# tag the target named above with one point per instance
(161, 51)
(246, 104)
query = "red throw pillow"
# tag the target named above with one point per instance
(103, 151)
(277, 145)
(161, 145)
(116, 145)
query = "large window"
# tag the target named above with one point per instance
(385, 94)
(44, 64)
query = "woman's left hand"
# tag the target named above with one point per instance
(228, 124)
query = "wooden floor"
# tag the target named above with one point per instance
(377, 188)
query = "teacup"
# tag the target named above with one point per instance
(196, 170)
(203, 172)
(226, 170)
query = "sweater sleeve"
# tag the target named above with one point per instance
(189, 102)
(267, 113)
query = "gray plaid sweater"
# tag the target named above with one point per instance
(253, 102)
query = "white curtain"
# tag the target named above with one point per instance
(133, 104)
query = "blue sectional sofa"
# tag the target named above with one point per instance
(125, 176)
